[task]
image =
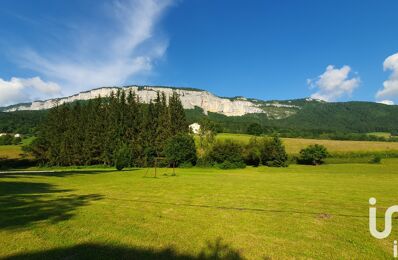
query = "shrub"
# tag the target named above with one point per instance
(16, 140)
(226, 154)
(204, 162)
(185, 165)
(122, 157)
(180, 150)
(273, 153)
(230, 165)
(252, 153)
(254, 129)
(6, 140)
(376, 159)
(313, 155)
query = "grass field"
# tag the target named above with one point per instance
(253, 213)
(381, 134)
(10, 151)
(14, 151)
(294, 145)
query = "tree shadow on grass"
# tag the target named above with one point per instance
(55, 173)
(217, 250)
(319, 214)
(23, 204)
(17, 163)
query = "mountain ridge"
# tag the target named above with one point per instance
(235, 114)
(190, 98)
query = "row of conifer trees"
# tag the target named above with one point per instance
(91, 133)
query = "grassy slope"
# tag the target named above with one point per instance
(300, 211)
(293, 145)
(14, 151)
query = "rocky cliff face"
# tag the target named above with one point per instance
(189, 98)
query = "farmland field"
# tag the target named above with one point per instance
(13, 151)
(254, 213)
(381, 134)
(10, 151)
(294, 145)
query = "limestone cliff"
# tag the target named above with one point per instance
(189, 98)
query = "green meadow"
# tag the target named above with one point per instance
(294, 145)
(14, 151)
(253, 213)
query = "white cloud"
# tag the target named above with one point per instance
(386, 102)
(333, 83)
(25, 89)
(109, 56)
(390, 86)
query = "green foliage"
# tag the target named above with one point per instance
(91, 132)
(254, 129)
(122, 157)
(252, 153)
(180, 150)
(22, 122)
(185, 165)
(273, 153)
(207, 135)
(226, 154)
(231, 165)
(6, 140)
(10, 140)
(313, 155)
(320, 120)
(376, 159)
(267, 151)
(16, 140)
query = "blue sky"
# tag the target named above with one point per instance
(332, 50)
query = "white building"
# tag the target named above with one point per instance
(195, 128)
(17, 135)
(3, 134)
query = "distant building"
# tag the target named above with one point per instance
(17, 135)
(3, 134)
(195, 128)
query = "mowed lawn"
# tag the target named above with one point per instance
(254, 213)
(294, 145)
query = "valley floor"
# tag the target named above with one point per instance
(253, 213)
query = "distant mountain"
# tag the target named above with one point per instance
(235, 114)
(190, 99)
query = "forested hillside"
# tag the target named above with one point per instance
(23, 122)
(315, 117)
(345, 117)
(306, 117)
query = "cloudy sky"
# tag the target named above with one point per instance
(331, 50)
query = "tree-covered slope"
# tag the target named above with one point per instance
(23, 122)
(297, 115)
(344, 117)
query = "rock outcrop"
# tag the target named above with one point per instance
(189, 98)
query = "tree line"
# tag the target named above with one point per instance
(98, 130)
(10, 140)
(257, 129)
